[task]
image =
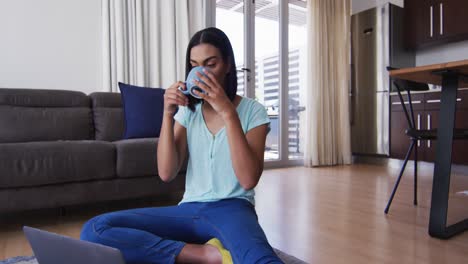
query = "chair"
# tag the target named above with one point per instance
(414, 133)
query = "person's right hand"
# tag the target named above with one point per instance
(173, 98)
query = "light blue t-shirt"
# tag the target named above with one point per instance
(210, 175)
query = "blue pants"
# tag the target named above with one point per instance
(157, 235)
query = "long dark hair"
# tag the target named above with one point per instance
(218, 39)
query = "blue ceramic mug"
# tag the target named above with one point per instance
(191, 85)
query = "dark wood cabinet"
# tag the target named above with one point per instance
(431, 120)
(399, 141)
(460, 147)
(426, 114)
(414, 22)
(452, 16)
(431, 22)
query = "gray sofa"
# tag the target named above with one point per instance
(61, 148)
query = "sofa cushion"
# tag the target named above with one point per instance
(143, 110)
(44, 115)
(56, 195)
(137, 157)
(43, 98)
(107, 115)
(106, 99)
(43, 163)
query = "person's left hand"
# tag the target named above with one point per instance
(214, 94)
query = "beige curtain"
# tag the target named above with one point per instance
(328, 128)
(144, 41)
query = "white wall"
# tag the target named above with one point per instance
(444, 53)
(50, 44)
(361, 5)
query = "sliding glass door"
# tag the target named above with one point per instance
(230, 19)
(269, 40)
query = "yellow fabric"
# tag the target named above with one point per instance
(225, 254)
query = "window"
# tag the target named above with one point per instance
(256, 25)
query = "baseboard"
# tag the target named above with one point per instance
(386, 161)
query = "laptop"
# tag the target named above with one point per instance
(51, 248)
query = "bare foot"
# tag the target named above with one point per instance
(213, 255)
(194, 254)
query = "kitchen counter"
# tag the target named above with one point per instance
(437, 90)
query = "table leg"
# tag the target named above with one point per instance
(443, 162)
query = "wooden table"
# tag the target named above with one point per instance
(451, 76)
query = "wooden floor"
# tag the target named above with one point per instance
(321, 215)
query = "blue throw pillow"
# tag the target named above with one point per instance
(143, 110)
